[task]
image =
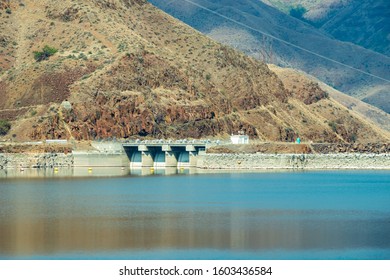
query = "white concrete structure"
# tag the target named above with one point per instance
(239, 139)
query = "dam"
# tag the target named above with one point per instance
(161, 154)
(137, 154)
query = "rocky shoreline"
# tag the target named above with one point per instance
(303, 148)
(35, 160)
(295, 161)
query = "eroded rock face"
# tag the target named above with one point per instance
(116, 4)
(309, 93)
(129, 117)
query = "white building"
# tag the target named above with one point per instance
(239, 139)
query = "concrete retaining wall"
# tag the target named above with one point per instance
(91, 159)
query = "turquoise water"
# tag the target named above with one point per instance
(286, 215)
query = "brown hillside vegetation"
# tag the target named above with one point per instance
(130, 70)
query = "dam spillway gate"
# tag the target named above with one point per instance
(163, 154)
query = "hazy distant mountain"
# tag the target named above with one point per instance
(270, 20)
(314, 10)
(365, 23)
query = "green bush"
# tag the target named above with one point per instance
(45, 53)
(5, 126)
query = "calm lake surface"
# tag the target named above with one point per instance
(279, 215)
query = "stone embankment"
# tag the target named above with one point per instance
(304, 148)
(373, 148)
(35, 160)
(295, 161)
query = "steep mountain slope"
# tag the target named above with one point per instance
(129, 70)
(292, 79)
(264, 18)
(365, 23)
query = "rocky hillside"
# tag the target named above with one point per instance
(270, 20)
(122, 68)
(293, 78)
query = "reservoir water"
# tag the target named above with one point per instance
(278, 215)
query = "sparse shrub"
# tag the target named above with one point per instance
(298, 11)
(5, 126)
(45, 53)
(8, 11)
(85, 77)
(141, 59)
(333, 125)
(353, 138)
(290, 106)
(122, 46)
(290, 134)
(83, 56)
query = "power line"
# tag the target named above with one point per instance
(283, 41)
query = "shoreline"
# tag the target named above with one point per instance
(206, 161)
(258, 161)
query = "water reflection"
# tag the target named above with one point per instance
(241, 231)
(92, 172)
(245, 215)
(167, 171)
(61, 172)
(35, 172)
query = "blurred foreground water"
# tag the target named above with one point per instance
(71, 214)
